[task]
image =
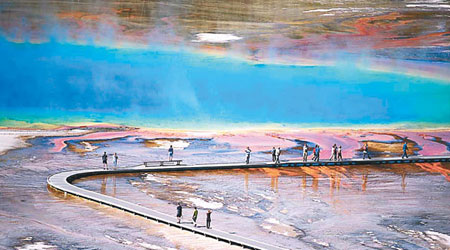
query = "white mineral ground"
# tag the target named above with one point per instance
(14, 139)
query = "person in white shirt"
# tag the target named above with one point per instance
(333, 153)
(278, 153)
(305, 152)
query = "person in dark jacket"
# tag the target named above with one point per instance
(405, 149)
(170, 153)
(179, 212)
(314, 153)
(208, 219)
(339, 153)
(318, 153)
(274, 154)
(105, 160)
(366, 151)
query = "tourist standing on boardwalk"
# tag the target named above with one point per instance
(305, 152)
(317, 153)
(208, 219)
(405, 148)
(194, 216)
(314, 153)
(247, 155)
(339, 153)
(105, 161)
(333, 153)
(277, 155)
(366, 151)
(170, 153)
(274, 154)
(116, 158)
(179, 212)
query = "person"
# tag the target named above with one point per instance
(105, 161)
(405, 148)
(208, 219)
(333, 153)
(366, 151)
(247, 154)
(339, 153)
(314, 153)
(179, 212)
(170, 153)
(318, 153)
(116, 158)
(274, 154)
(277, 155)
(194, 216)
(305, 152)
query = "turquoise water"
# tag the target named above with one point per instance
(58, 82)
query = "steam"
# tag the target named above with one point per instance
(96, 62)
(215, 38)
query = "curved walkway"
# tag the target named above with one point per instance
(62, 182)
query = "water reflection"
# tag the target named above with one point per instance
(403, 182)
(436, 167)
(112, 187)
(246, 182)
(364, 181)
(333, 179)
(337, 177)
(270, 197)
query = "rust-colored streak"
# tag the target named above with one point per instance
(436, 167)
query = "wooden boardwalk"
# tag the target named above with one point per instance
(62, 182)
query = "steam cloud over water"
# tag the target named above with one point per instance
(54, 78)
(153, 62)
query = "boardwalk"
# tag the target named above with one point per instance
(62, 182)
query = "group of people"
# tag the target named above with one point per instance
(105, 160)
(276, 152)
(194, 216)
(316, 153)
(336, 153)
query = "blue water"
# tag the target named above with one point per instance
(61, 82)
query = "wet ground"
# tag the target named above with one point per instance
(392, 206)
(383, 207)
(35, 217)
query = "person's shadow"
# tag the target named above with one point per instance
(190, 222)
